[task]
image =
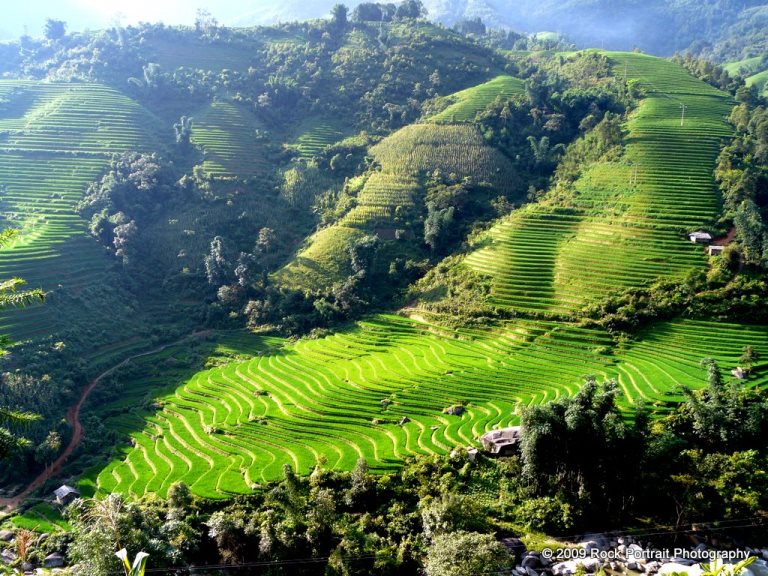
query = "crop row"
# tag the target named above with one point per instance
(625, 226)
(378, 391)
(227, 135)
(465, 105)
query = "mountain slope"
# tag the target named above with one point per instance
(625, 227)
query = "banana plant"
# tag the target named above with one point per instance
(139, 563)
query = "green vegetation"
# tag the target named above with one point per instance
(345, 396)
(623, 222)
(464, 106)
(315, 134)
(41, 518)
(55, 139)
(227, 135)
(390, 198)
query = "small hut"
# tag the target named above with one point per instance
(66, 494)
(700, 237)
(715, 250)
(501, 442)
(739, 373)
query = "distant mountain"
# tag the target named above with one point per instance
(724, 29)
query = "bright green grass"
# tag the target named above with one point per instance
(41, 518)
(758, 80)
(465, 105)
(626, 225)
(55, 139)
(226, 133)
(228, 427)
(743, 67)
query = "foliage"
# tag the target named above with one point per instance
(582, 447)
(139, 562)
(459, 553)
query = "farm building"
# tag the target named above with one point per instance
(500, 442)
(66, 494)
(739, 373)
(700, 237)
(716, 250)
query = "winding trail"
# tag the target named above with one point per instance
(73, 417)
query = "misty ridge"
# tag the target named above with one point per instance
(718, 29)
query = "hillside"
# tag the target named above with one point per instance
(372, 296)
(379, 391)
(55, 140)
(391, 197)
(625, 225)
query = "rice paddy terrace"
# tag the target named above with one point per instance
(379, 391)
(464, 106)
(55, 139)
(404, 159)
(627, 225)
(227, 135)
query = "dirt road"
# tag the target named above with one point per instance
(73, 417)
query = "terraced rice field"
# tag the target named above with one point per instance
(55, 139)
(227, 135)
(465, 105)
(627, 225)
(345, 397)
(315, 134)
(404, 158)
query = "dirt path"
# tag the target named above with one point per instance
(73, 417)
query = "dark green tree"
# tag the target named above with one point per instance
(54, 29)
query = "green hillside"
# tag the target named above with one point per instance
(345, 396)
(463, 106)
(626, 225)
(388, 194)
(227, 135)
(55, 139)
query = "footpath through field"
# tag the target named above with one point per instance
(73, 418)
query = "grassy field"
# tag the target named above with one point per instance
(627, 225)
(345, 396)
(464, 106)
(41, 518)
(55, 139)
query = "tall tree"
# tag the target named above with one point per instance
(54, 29)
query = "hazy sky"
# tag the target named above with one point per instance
(95, 14)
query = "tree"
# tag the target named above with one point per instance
(437, 225)
(205, 23)
(48, 449)
(54, 29)
(749, 357)
(410, 9)
(724, 415)
(581, 446)
(464, 553)
(339, 16)
(12, 420)
(266, 240)
(183, 129)
(218, 266)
